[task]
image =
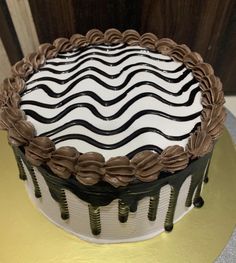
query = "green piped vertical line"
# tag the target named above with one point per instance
(192, 187)
(153, 206)
(64, 205)
(37, 191)
(123, 211)
(19, 162)
(171, 208)
(95, 221)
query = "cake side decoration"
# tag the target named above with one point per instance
(22, 133)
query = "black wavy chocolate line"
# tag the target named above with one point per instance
(110, 55)
(106, 103)
(90, 107)
(122, 128)
(104, 84)
(119, 144)
(53, 94)
(79, 50)
(106, 63)
(149, 147)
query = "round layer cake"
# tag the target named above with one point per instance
(113, 133)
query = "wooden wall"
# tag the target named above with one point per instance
(206, 26)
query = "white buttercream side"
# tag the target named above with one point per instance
(137, 228)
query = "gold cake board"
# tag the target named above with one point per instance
(26, 236)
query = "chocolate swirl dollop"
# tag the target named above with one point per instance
(14, 84)
(63, 161)
(10, 115)
(147, 166)
(22, 69)
(165, 45)
(131, 37)
(39, 150)
(174, 158)
(178, 52)
(21, 133)
(199, 144)
(78, 40)
(148, 40)
(192, 59)
(95, 36)
(113, 36)
(213, 96)
(36, 60)
(89, 169)
(63, 44)
(48, 50)
(201, 70)
(213, 119)
(119, 171)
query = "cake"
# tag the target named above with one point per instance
(113, 132)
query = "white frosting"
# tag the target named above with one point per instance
(166, 125)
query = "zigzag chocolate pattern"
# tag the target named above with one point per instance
(127, 100)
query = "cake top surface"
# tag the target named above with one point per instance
(116, 100)
(113, 106)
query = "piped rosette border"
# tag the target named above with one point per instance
(90, 168)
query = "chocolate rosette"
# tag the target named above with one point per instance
(48, 50)
(131, 37)
(208, 81)
(36, 60)
(178, 52)
(62, 44)
(201, 70)
(95, 36)
(39, 150)
(90, 168)
(148, 40)
(21, 133)
(119, 171)
(113, 36)
(147, 166)
(213, 96)
(213, 121)
(14, 84)
(78, 40)
(63, 160)
(165, 45)
(199, 144)
(173, 159)
(22, 69)
(10, 115)
(192, 59)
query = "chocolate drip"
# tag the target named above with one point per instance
(102, 193)
(198, 201)
(206, 178)
(197, 179)
(123, 211)
(19, 162)
(64, 205)
(95, 221)
(168, 225)
(153, 206)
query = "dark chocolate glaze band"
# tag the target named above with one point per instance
(103, 194)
